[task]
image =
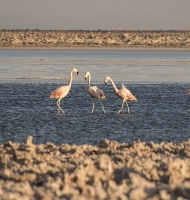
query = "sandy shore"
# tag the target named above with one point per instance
(108, 171)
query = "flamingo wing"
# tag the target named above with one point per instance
(60, 92)
(126, 94)
(95, 92)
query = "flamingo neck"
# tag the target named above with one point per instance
(89, 78)
(71, 79)
(114, 86)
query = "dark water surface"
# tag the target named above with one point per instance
(162, 113)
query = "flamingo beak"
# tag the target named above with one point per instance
(85, 78)
(77, 73)
(105, 82)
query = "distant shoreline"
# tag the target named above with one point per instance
(121, 40)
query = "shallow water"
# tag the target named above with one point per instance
(48, 65)
(158, 80)
(162, 113)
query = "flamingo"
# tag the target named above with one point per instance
(94, 92)
(123, 93)
(62, 91)
(188, 92)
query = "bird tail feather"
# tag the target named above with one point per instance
(102, 95)
(131, 97)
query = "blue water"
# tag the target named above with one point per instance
(162, 112)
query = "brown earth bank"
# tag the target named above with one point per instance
(99, 38)
(110, 170)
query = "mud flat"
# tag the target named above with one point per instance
(110, 170)
(99, 38)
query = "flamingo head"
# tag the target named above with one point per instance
(75, 70)
(107, 78)
(86, 75)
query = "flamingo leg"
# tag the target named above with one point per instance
(127, 107)
(59, 107)
(102, 106)
(121, 107)
(92, 106)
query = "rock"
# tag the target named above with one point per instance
(103, 143)
(29, 140)
(108, 171)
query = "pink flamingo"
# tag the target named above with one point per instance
(123, 93)
(62, 91)
(94, 92)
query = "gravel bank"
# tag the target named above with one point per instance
(80, 38)
(108, 171)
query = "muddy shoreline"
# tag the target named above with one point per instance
(118, 49)
(99, 38)
(110, 170)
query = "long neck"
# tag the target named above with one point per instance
(71, 79)
(89, 78)
(114, 86)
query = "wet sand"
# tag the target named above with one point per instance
(110, 170)
(124, 49)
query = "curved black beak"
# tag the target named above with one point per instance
(77, 73)
(105, 83)
(85, 78)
